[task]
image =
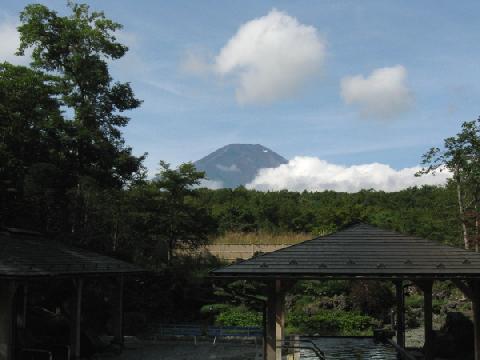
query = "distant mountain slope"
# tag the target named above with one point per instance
(238, 164)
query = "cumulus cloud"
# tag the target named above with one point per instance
(10, 41)
(270, 57)
(314, 174)
(383, 94)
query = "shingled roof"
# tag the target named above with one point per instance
(360, 251)
(28, 255)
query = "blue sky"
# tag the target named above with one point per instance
(186, 115)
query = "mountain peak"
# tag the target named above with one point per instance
(238, 164)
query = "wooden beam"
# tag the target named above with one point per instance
(475, 288)
(279, 317)
(426, 287)
(400, 329)
(275, 321)
(271, 324)
(7, 319)
(23, 323)
(466, 289)
(117, 311)
(75, 328)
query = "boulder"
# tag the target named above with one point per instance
(455, 338)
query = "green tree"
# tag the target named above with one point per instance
(180, 219)
(32, 152)
(76, 48)
(461, 156)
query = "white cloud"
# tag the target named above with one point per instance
(383, 94)
(10, 41)
(210, 184)
(271, 57)
(314, 174)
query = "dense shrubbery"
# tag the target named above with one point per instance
(330, 322)
(239, 316)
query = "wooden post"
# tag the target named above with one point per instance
(75, 329)
(270, 329)
(264, 322)
(426, 287)
(23, 324)
(117, 311)
(279, 318)
(400, 313)
(476, 316)
(274, 324)
(7, 319)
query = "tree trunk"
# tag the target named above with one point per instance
(477, 222)
(461, 209)
(170, 245)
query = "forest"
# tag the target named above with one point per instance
(67, 172)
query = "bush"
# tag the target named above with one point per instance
(373, 298)
(330, 322)
(414, 301)
(322, 288)
(238, 316)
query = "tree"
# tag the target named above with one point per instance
(461, 156)
(180, 219)
(32, 135)
(76, 48)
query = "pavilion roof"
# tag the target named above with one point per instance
(360, 251)
(24, 255)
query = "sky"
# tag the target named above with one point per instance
(333, 86)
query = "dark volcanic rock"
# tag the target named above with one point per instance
(237, 164)
(455, 338)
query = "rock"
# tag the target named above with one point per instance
(455, 338)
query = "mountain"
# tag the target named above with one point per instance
(238, 164)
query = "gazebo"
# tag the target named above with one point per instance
(368, 253)
(27, 257)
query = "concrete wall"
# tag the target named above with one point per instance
(234, 252)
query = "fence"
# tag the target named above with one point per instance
(165, 330)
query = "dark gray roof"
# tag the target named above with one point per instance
(29, 255)
(360, 251)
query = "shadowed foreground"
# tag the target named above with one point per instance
(182, 350)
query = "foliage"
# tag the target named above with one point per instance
(32, 153)
(428, 211)
(239, 316)
(461, 156)
(318, 288)
(414, 301)
(251, 294)
(330, 322)
(178, 217)
(374, 298)
(76, 48)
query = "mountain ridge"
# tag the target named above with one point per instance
(238, 164)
